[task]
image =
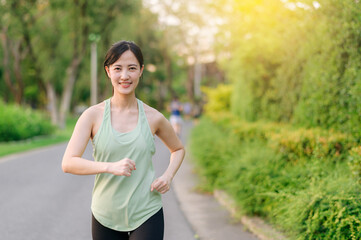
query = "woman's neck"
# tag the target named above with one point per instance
(124, 102)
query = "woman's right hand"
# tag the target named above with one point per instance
(123, 167)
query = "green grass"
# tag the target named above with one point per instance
(60, 135)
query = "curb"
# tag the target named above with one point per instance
(254, 224)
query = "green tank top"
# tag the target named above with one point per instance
(124, 203)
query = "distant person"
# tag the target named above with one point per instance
(175, 117)
(187, 110)
(126, 201)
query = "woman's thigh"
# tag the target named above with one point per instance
(152, 229)
(101, 232)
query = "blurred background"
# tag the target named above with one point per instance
(283, 76)
(47, 47)
(284, 60)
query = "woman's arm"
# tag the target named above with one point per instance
(74, 163)
(166, 133)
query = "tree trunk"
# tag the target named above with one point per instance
(17, 72)
(169, 70)
(80, 44)
(72, 73)
(161, 94)
(93, 74)
(6, 61)
(52, 103)
(190, 83)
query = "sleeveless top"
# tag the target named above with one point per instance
(119, 202)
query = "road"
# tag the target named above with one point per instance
(39, 201)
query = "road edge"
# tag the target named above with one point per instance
(12, 156)
(183, 190)
(256, 225)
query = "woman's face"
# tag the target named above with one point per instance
(125, 73)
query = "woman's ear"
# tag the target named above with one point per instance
(141, 71)
(107, 70)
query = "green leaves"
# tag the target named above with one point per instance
(18, 123)
(305, 181)
(295, 62)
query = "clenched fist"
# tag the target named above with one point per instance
(123, 167)
(161, 184)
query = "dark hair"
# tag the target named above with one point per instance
(118, 48)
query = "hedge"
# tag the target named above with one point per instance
(300, 180)
(19, 123)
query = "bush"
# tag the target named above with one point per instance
(300, 66)
(17, 123)
(285, 175)
(310, 142)
(354, 162)
(218, 99)
(213, 154)
(293, 143)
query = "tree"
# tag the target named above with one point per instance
(55, 36)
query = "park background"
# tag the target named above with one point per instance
(279, 82)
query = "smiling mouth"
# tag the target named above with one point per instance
(125, 84)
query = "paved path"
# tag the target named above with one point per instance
(39, 201)
(209, 220)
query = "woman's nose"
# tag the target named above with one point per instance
(124, 74)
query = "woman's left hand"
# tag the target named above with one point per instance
(161, 184)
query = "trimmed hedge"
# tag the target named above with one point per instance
(18, 123)
(300, 180)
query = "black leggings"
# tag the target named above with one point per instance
(152, 229)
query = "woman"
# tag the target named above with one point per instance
(126, 201)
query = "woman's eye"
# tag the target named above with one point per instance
(133, 68)
(117, 69)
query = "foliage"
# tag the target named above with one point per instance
(218, 99)
(299, 179)
(294, 62)
(17, 123)
(58, 136)
(310, 143)
(354, 162)
(291, 153)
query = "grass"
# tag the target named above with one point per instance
(60, 135)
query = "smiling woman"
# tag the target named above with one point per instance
(126, 201)
(125, 72)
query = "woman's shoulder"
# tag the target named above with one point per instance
(155, 118)
(151, 111)
(94, 112)
(96, 109)
(153, 115)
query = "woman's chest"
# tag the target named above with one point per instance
(124, 122)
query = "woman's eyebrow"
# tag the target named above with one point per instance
(132, 64)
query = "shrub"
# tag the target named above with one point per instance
(308, 196)
(218, 99)
(310, 142)
(292, 143)
(213, 154)
(17, 123)
(354, 162)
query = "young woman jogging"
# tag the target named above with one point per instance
(126, 201)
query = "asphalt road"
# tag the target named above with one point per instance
(39, 201)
